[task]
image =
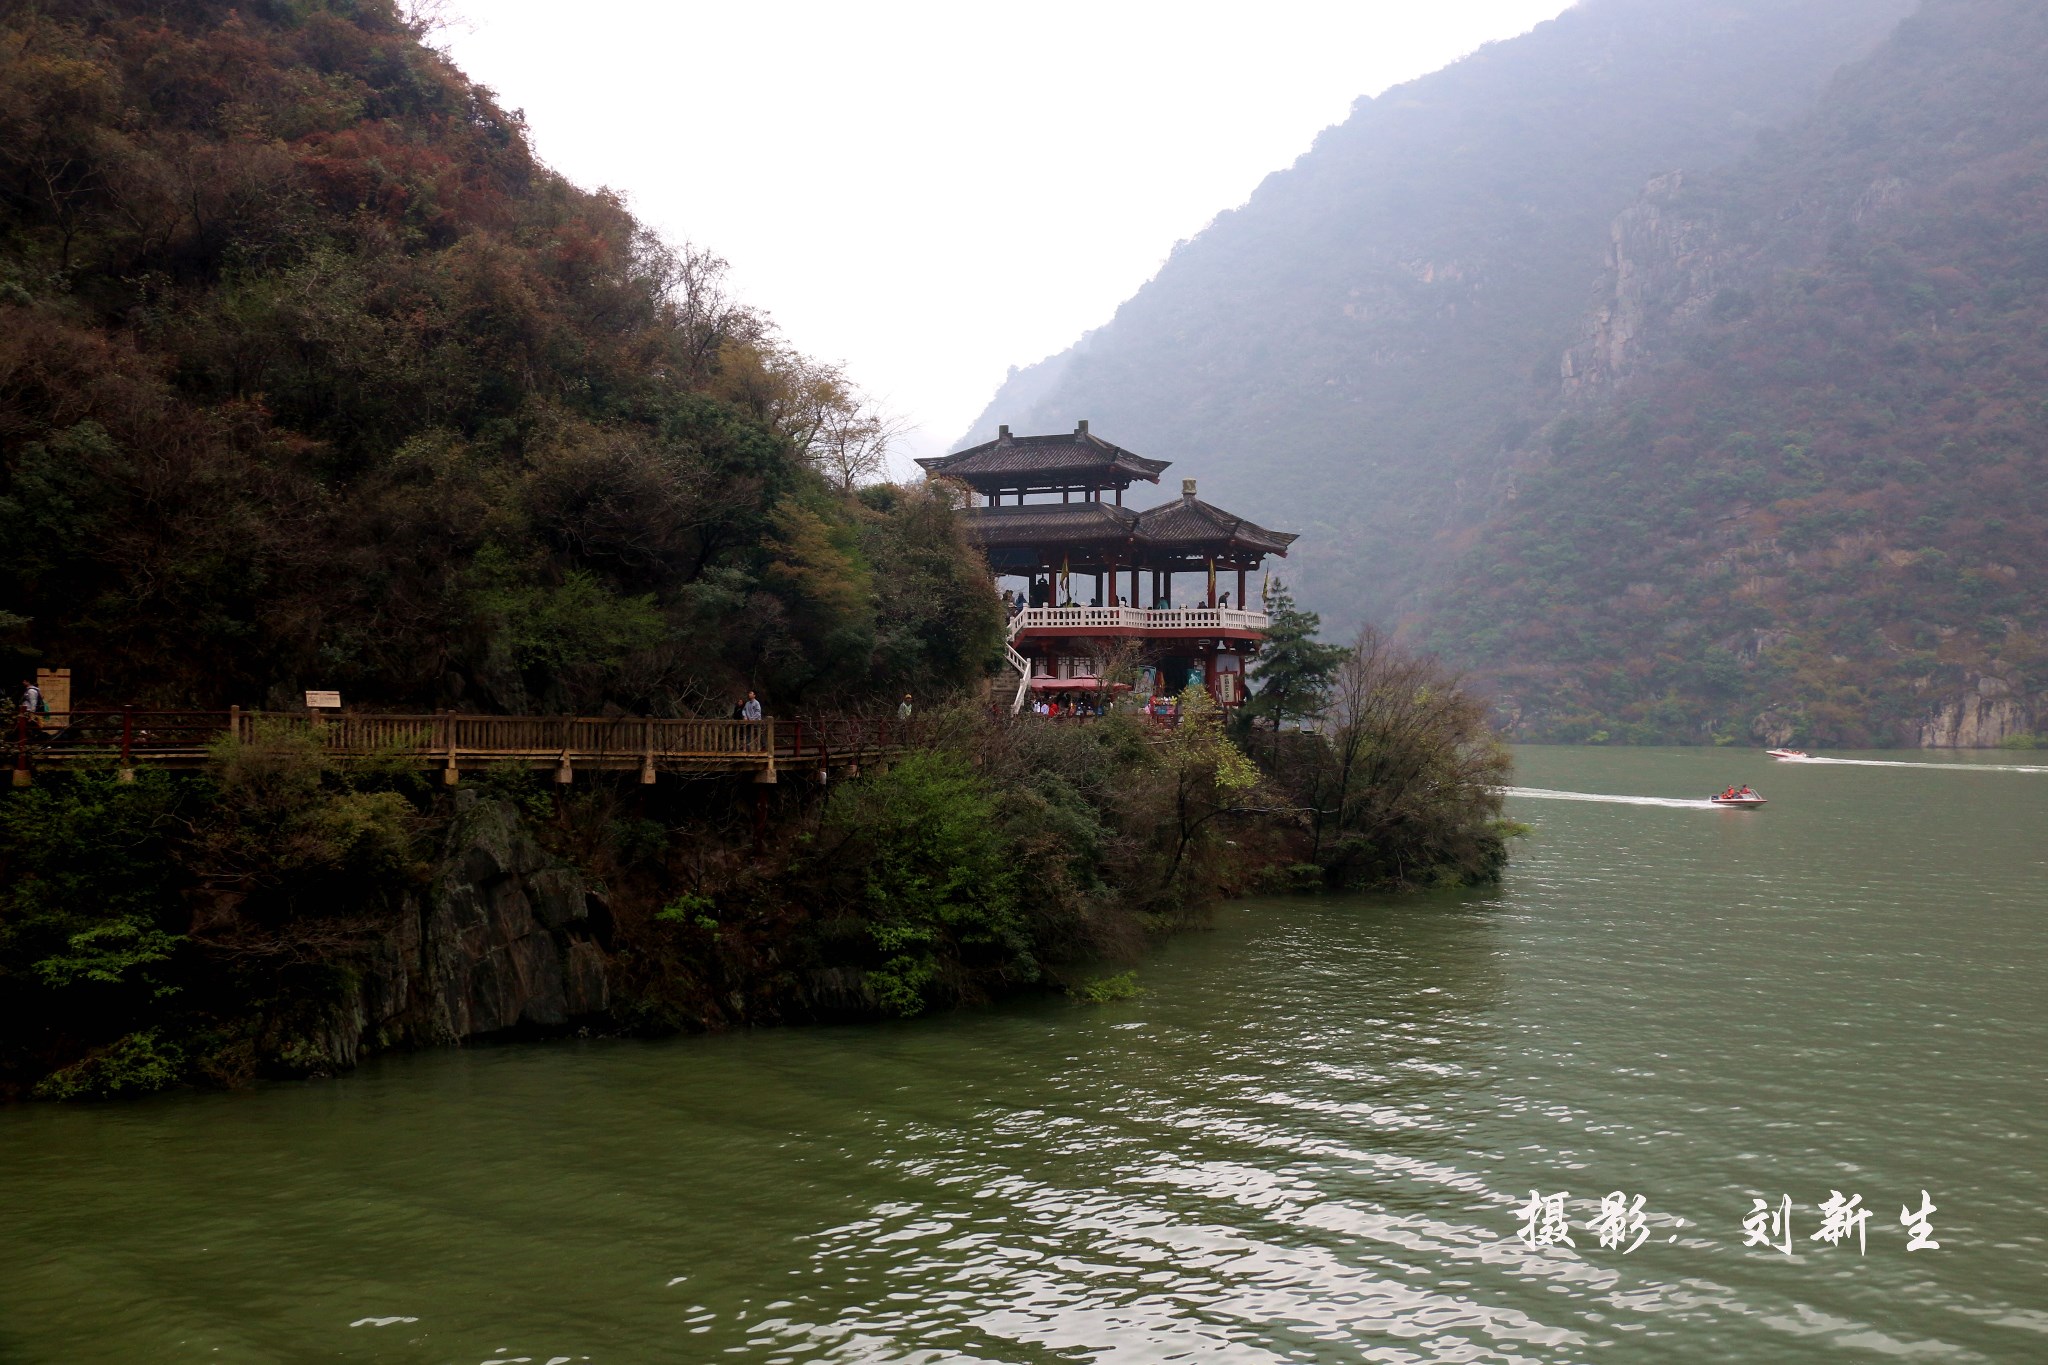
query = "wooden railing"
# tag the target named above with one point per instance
(451, 742)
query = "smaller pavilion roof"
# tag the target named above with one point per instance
(1191, 526)
(1073, 459)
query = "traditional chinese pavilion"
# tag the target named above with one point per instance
(1095, 574)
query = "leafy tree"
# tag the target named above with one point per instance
(935, 875)
(1206, 771)
(91, 924)
(1408, 786)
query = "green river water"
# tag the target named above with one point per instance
(1310, 1140)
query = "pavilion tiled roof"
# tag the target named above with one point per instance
(1191, 524)
(1049, 522)
(1073, 457)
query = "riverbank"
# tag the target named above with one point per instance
(287, 915)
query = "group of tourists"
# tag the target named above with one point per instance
(1042, 596)
(750, 707)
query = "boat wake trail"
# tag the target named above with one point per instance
(1896, 763)
(1545, 794)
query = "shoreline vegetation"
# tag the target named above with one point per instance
(284, 915)
(312, 375)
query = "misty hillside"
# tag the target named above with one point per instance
(1353, 353)
(1799, 493)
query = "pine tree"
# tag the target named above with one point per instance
(1294, 669)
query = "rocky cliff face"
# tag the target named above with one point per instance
(505, 939)
(1985, 714)
(1661, 272)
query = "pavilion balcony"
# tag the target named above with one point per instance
(1181, 622)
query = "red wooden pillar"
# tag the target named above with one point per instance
(1240, 587)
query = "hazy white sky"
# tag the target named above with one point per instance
(934, 192)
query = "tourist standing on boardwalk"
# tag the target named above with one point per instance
(751, 708)
(32, 703)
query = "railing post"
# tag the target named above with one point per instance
(444, 738)
(647, 753)
(127, 773)
(235, 724)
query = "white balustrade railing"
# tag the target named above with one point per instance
(1023, 667)
(1135, 619)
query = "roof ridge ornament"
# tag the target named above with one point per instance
(1187, 490)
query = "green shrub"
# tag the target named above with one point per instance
(1108, 990)
(934, 875)
(690, 910)
(88, 902)
(137, 1064)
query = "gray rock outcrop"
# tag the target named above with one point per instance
(1983, 715)
(504, 939)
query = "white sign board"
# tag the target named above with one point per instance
(323, 700)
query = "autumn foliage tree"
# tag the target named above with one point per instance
(1405, 786)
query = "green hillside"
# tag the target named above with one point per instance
(311, 375)
(1810, 502)
(1354, 352)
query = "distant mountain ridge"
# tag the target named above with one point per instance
(1356, 352)
(1800, 490)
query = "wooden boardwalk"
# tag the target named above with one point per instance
(452, 743)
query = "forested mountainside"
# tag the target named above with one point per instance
(1353, 353)
(311, 375)
(1801, 492)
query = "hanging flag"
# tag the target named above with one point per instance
(1266, 588)
(1066, 583)
(1212, 582)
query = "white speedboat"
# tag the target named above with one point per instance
(1742, 798)
(1787, 753)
